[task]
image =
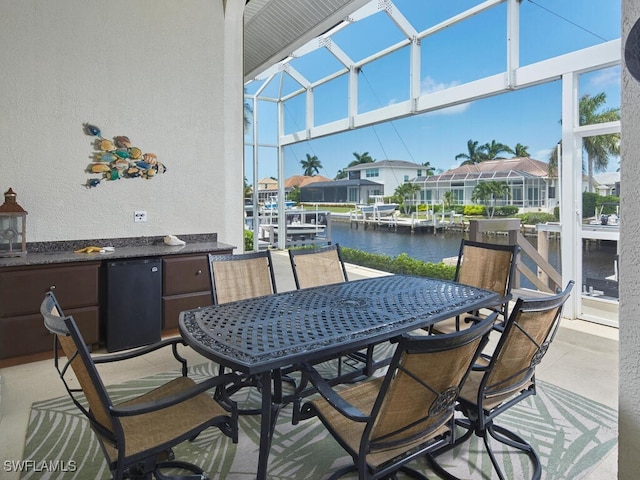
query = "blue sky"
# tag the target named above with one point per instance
(459, 54)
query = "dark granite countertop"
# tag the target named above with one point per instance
(134, 247)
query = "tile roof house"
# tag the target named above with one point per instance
(530, 184)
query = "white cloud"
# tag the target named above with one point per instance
(606, 78)
(543, 155)
(429, 85)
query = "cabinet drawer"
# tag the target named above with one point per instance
(27, 334)
(22, 290)
(172, 306)
(185, 274)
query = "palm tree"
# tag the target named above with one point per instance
(487, 193)
(311, 166)
(474, 154)
(429, 170)
(248, 189)
(247, 114)
(600, 147)
(494, 150)
(361, 158)
(341, 174)
(406, 193)
(447, 199)
(521, 151)
(552, 168)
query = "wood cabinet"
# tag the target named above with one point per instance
(22, 289)
(80, 287)
(186, 285)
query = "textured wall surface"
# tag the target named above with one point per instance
(153, 70)
(629, 395)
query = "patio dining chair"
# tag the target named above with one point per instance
(314, 267)
(483, 265)
(239, 277)
(137, 435)
(318, 266)
(385, 422)
(506, 377)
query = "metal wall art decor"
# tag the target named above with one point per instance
(117, 158)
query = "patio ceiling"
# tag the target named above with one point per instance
(273, 29)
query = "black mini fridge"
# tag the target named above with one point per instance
(134, 303)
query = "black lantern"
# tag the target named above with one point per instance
(13, 225)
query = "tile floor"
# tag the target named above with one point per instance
(583, 358)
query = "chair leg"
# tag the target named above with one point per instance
(512, 439)
(457, 440)
(500, 434)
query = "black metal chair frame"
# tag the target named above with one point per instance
(479, 418)
(419, 443)
(151, 460)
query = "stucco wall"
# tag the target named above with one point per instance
(153, 70)
(629, 395)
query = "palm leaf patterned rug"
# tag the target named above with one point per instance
(570, 433)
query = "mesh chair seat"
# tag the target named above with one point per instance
(318, 266)
(236, 277)
(146, 431)
(483, 265)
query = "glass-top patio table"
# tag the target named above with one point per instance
(261, 336)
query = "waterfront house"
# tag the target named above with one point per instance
(345, 190)
(529, 182)
(390, 174)
(267, 189)
(607, 183)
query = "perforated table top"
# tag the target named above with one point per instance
(265, 333)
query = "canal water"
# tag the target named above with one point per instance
(598, 256)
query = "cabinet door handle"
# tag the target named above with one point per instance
(52, 288)
(199, 272)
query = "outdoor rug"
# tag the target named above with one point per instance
(570, 433)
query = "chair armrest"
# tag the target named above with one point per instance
(154, 406)
(482, 363)
(331, 396)
(116, 357)
(477, 319)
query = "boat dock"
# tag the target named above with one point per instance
(302, 227)
(420, 222)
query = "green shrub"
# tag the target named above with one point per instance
(248, 240)
(533, 218)
(474, 210)
(589, 200)
(402, 264)
(609, 204)
(506, 211)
